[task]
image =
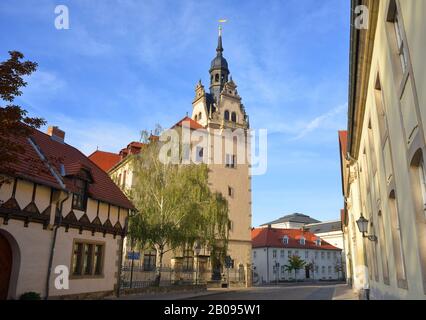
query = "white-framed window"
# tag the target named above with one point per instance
(254, 254)
(302, 241)
(328, 255)
(316, 269)
(289, 253)
(334, 254)
(282, 253)
(316, 254)
(306, 254)
(296, 253)
(323, 269)
(394, 17)
(318, 242)
(401, 47)
(285, 240)
(230, 160)
(274, 253)
(322, 254)
(282, 269)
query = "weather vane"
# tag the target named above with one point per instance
(220, 25)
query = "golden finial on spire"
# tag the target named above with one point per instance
(220, 25)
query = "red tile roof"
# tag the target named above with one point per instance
(105, 160)
(66, 161)
(192, 123)
(343, 141)
(273, 237)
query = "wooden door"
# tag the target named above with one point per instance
(5, 266)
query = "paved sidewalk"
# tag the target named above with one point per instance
(177, 295)
(344, 292)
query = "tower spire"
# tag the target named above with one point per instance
(219, 68)
(219, 48)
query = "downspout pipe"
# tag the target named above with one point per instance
(52, 249)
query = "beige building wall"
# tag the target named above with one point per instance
(387, 144)
(31, 243)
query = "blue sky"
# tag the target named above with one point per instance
(126, 65)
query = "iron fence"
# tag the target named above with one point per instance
(140, 276)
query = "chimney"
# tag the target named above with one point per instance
(56, 133)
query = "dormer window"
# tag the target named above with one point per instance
(79, 199)
(318, 242)
(285, 240)
(81, 180)
(302, 241)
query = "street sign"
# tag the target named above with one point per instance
(133, 255)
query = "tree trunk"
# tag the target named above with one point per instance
(159, 266)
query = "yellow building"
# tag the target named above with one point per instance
(220, 116)
(383, 169)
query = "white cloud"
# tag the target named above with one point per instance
(322, 121)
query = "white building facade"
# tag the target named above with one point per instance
(272, 248)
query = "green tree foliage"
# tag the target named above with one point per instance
(175, 206)
(14, 122)
(294, 263)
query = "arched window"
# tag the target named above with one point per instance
(196, 118)
(199, 116)
(418, 175)
(216, 77)
(226, 115)
(234, 117)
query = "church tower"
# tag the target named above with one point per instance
(221, 107)
(219, 71)
(221, 112)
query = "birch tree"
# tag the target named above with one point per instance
(175, 206)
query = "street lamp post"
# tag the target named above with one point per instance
(197, 249)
